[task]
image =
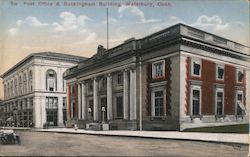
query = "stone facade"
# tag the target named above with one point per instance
(177, 78)
(35, 92)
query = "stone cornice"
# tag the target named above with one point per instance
(44, 55)
(214, 49)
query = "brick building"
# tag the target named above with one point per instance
(177, 78)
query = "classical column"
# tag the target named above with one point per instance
(79, 101)
(132, 94)
(109, 97)
(125, 94)
(95, 99)
(43, 110)
(37, 113)
(60, 112)
(84, 105)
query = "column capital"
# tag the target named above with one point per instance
(94, 78)
(125, 70)
(82, 82)
(108, 75)
(132, 69)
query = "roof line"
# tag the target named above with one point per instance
(41, 54)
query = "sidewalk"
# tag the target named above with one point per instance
(207, 137)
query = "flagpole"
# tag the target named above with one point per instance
(107, 29)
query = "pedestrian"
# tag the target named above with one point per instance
(75, 126)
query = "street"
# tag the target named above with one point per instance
(59, 144)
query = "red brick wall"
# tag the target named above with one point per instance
(229, 90)
(208, 80)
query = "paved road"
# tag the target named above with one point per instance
(50, 144)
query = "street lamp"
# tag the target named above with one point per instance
(103, 115)
(89, 111)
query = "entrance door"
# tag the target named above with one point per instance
(104, 109)
(52, 117)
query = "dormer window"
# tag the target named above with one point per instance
(240, 76)
(158, 69)
(219, 72)
(196, 68)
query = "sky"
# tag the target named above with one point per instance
(78, 27)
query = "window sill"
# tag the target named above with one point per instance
(196, 116)
(158, 78)
(239, 116)
(219, 116)
(158, 117)
(118, 118)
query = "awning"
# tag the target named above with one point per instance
(10, 119)
(241, 105)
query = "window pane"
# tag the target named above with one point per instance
(158, 69)
(119, 106)
(119, 78)
(219, 103)
(220, 72)
(196, 102)
(196, 69)
(240, 76)
(159, 102)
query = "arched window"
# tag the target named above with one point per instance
(51, 81)
(20, 85)
(30, 81)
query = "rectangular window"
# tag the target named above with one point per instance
(158, 69)
(196, 97)
(119, 78)
(159, 102)
(51, 85)
(119, 106)
(240, 76)
(64, 116)
(103, 83)
(31, 102)
(196, 68)
(90, 86)
(51, 102)
(219, 103)
(74, 109)
(64, 102)
(219, 72)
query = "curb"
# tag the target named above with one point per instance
(140, 136)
